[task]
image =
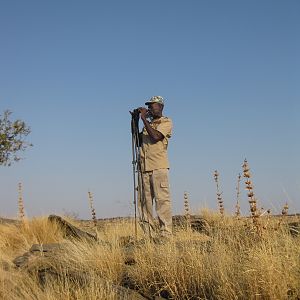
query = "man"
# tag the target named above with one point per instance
(155, 168)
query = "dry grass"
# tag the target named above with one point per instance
(233, 262)
(15, 286)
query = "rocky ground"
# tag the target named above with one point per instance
(45, 259)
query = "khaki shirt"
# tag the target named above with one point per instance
(154, 154)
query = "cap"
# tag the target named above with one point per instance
(156, 99)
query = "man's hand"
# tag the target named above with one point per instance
(154, 134)
(143, 111)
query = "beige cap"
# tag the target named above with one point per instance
(156, 99)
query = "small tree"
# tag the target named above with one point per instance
(12, 139)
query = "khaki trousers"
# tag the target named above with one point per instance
(156, 190)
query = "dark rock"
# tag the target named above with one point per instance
(4, 265)
(22, 260)
(197, 223)
(294, 228)
(37, 250)
(44, 260)
(71, 231)
(9, 221)
(46, 247)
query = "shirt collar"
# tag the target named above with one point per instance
(157, 120)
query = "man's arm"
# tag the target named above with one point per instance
(155, 135)
(140, 139)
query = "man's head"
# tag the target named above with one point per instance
(155, 106)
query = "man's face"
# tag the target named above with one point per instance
(155, 109)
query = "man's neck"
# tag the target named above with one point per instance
(156, 117)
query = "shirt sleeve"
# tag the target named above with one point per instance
(165, 128)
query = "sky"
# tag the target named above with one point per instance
(229, 72)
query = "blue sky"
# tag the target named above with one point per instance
(229, 72)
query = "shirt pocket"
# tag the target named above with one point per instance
(164, 185)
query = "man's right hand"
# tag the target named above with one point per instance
(143, 111)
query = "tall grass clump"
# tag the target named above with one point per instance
(82, 270)
(251, 198)
(92, 208)
(21, 209)
(16, 239)
(18, 285)
(238, 194)
(219, 194)
(187, 212)
(233, 263)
